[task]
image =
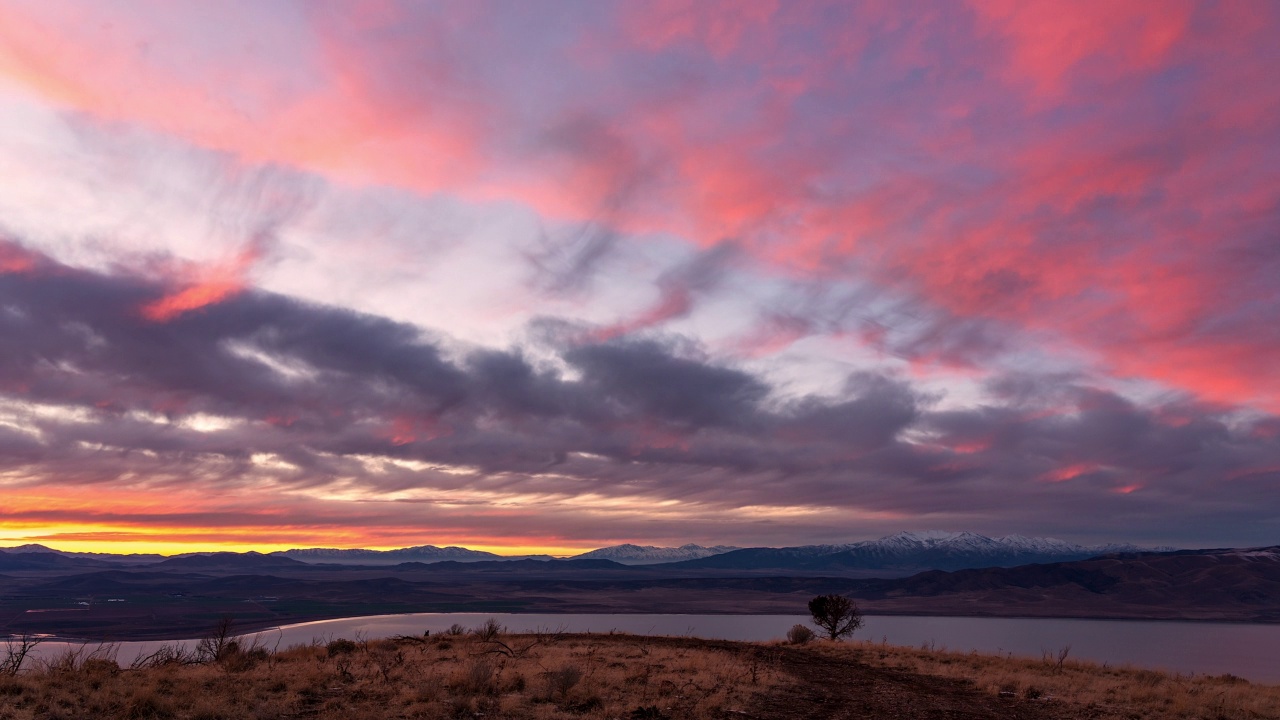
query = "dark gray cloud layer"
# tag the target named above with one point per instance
(102, 393)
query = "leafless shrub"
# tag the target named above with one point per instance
(16, 651)
(547, 635)
(478, 678)
(1055, 659)
(163, 655)
(517, 648)
(456, 629)
(560, 681)
(99, 659)
(341, 646)
(233, 651)
(386, 657)
(220, 642)
(343, 664)
(799, 634)
(489, 630)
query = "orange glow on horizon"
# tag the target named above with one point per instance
(175, 541)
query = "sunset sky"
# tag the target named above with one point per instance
(548, 276)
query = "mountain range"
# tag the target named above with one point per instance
(47, 592)
(891, 556)
(907, 552)
(651, 555)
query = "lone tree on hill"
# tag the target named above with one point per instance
(836, 615)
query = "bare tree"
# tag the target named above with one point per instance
(836, 615)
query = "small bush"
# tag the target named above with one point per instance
(456, 629)
(562, 680)
(799, 634)
(478, 677)
(341, 646)
(237, 659)
(489, 630)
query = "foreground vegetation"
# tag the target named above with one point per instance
(488, 673)
(463, 674)
(1082, 689)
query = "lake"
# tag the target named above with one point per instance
(1247, 651)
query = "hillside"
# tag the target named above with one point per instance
(552, 676)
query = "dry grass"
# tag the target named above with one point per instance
(491, 674)
(1090, 689)
(447, 676)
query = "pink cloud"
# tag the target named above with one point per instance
(1097, 172)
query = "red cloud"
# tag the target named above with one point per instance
(198, 287)
(1050, 42)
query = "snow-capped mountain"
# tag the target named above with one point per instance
(420, 553)
(979, 544)
(913, 551)
(628, 554)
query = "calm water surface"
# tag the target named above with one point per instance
(1248, 651)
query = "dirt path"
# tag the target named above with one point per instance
(826, 688)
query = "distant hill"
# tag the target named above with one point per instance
(129, 559)
(908, 552)
(516, 567)
(419, 554)
(1235, 584)
(229, 560)
(39, 557)
(649, 554)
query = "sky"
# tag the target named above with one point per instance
(544, 277)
